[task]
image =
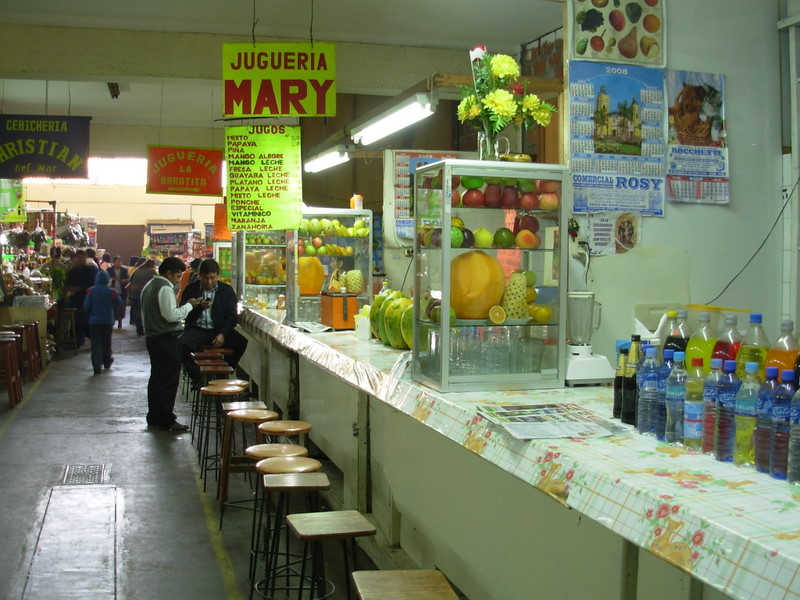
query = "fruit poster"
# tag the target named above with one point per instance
(697, 147)
(620, 31)
(617, 138)
(265, 188)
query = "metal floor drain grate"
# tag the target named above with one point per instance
(83, 474)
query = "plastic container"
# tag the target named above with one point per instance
(710, 404)
(675, 396)
(784, 352)
(693, 406)
(793, 472)
(724, 426)
(745, 414)
(728, 342)
(648, 393)
(664, 370)
(754, 348)
(763, 436)
(701, 343)
(678, 331)
(781, 423)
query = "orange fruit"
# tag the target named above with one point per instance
(497, 314)
(540, 313)
(651, 23)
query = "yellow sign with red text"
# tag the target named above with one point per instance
(279, 80)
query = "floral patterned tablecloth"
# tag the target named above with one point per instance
(733, 528)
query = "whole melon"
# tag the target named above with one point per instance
(391, 317)
(381, 318)
(477, 281)
(407, 325)
(375, 312)
(310, 275)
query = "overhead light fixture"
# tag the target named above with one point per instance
(414, 108)
(327, 159)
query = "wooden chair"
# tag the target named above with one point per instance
(10, 365)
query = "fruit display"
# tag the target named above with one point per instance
(628, 29)
(310, 275)
(487, 303)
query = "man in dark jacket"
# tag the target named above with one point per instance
(214, 326)
(99, 303)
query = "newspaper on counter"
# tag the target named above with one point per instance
(527, 422)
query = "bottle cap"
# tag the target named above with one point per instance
(672, 314)
(751, 367)
(669, 353)
(682, 314)
(636, 337)
(731, 319)
(697, 361)
(772, 372)
(729, 365)
(704, 316)
(650, 352)
(623, 350)
(716, 363)
(787, 324)
(755, 318)
(679, 356)
(787, 375)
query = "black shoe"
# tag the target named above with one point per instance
(98, 371)
(176, 427)
(108, 366)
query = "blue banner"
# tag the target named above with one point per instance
(44, 146)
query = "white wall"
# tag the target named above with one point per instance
(694, 251)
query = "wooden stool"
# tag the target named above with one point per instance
(205, 354)
(230, 462)
(10, 365)
(208, 418)
(225, 351)
(402, 585)
(241, 382)
(18, 331)
(209, 362)
(314, 528)
(66, 330)
(280, 476)
(207, 372)
(275, 429)
(32, 350)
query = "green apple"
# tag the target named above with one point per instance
(483, 238)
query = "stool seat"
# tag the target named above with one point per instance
(251, 415)
(330, 525)
(239, 382)
(288, 464)
(216, 369)
(210, 362)
(220, 350)
(206, 354)
(402, 585)
(296, 482)
(284, 427)
(220, 390)
(239, 405)
(262, 451)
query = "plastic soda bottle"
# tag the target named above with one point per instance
(724, 432)
(783, 353)
(619, 377)
(664, 370)
(678, 331)
(676, 394)
(793, 472)
(763, 435)
(629, 389)
(693, 406)
(754, 348)
(648, 393)
(727, 346)
(781, 415)
(701, 343)
(745, 413)
(710, 404)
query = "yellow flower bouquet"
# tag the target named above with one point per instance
(496, 100)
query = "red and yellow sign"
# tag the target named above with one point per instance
(179, 170)
(279, 80)
(265, 188)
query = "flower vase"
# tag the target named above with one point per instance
(491, 146)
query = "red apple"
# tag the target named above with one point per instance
(472, 198)
(527, 239)
(546, 185)
(510, 197)
(456, 181)
(548, 201)
(529, 222)
(492, 195)
(316, 242)
(529, 201)
(455, 197)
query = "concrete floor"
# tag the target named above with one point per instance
(146, 530)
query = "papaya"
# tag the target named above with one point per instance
(374, 312)
(407, 325)
(391, 317)
(310, 275)
(477, 282)
(382, 310)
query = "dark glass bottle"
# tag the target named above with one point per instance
(619, 377)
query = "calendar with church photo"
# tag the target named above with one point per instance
(617, 141)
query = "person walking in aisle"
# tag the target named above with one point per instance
(119, 281)
(99, 304)
(80, 278)
(162, 325)
(145, 271)
(212, 324)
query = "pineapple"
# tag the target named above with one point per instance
(354, 282)
(514, 297)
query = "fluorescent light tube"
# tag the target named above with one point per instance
(415, 108)
(326, 160)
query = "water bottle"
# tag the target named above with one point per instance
(710, 404)
(701, 343)
(619, 377)
(678, 332)
(648, 393)
(754, 348)
(793, 473)
(781, 415)
(629, 389)
(724, 427)
(727, 346)
(745, 412)
(676, 394)
(661, 406)
(764, 419)
(783, 353)
(693, 406)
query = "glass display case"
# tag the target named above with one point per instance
(330, 253)
(488, 291)
(223, 255)
(259, 272)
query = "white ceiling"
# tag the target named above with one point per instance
(501, 25)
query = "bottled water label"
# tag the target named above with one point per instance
(746, 408)
(693, 420)
(764, 403)
(727, 399)
(709, 393)
(794, 414)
